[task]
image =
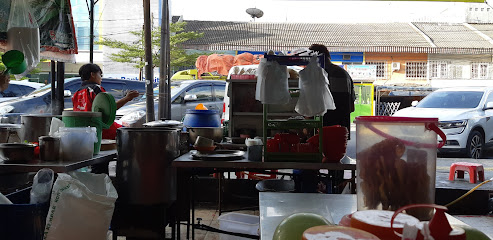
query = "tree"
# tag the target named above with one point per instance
(134, 52)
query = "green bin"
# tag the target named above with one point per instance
(85, 119)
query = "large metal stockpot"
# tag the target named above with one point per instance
(143, 172)
(35, 126)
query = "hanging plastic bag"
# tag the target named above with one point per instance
(42, 182)
(272, 83)
(23, 33)
(81, 207)
(315, 97)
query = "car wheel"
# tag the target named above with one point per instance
(475, 145)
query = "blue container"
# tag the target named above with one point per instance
(201, 118)
(22, 220)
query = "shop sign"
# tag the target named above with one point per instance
(362, 72)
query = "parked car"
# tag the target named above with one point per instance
(184, 95)
(464, 115)
(39, 101)
(19, 88)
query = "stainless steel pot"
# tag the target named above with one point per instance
(9, 133)
(143, 172)
(215, 133)
(35, 126)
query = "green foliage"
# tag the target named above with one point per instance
(134, 52)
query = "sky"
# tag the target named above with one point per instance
(320, 11)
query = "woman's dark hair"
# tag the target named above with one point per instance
(321, 49)
(86, 70)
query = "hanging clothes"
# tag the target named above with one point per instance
(315, 97)
(272, 83)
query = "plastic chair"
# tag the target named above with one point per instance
(475, 171)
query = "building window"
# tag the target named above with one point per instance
(438, 69)
(416, 70)
(381, 68)
(479, 70)
(456, 71)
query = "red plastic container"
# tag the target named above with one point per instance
(334, 143)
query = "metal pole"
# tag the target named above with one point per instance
(164, 66)
(91, 34)
(53, 93)
(148, 62)
(60, 78)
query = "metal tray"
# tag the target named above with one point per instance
(218, 155)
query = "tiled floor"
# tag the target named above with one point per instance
(209, 215)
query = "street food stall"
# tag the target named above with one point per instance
(280, 127)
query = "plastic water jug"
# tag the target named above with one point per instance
(396, 162)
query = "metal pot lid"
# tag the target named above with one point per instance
(163, 123)
(105, 103)
(10, 126)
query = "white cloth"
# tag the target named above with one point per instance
(315, 97)
(272, 83)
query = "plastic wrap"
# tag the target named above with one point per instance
(77, 143)
(23, 32)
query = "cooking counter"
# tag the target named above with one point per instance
(36, 165)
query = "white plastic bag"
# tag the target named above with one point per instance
(272, 83)
(315, 97)
(81, 207)
(23, 33)
(42, 182)
(77, 143)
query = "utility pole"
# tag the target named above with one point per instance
(148, 62)
(91, 32)
(164, 68)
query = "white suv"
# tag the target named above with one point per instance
(464, 115)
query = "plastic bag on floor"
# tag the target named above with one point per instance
(81, 207)
(272, 83)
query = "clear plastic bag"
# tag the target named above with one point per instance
(77, 143)
(134, 119)
(315, 97)
(272, 83)
(23, 33)
(42, 182)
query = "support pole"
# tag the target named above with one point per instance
(53, 93)
(60, 78)
(91, 34)
(164, 67)
(148, 62)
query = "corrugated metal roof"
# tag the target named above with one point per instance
(356, 37)
(453, 35)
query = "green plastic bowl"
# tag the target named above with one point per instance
(14, 61)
